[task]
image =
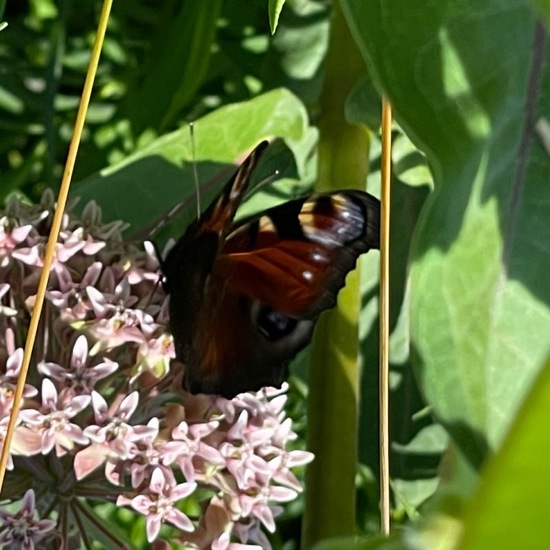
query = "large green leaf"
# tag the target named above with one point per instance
(412, 455)
(510, 508)
(153, 177)
(464, 83)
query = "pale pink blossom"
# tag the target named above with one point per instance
(158, 504)
(79, 376)
(52, 420)
(11, 236)
(187, 445)
(8, 382)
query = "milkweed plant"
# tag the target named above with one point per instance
(104, 418)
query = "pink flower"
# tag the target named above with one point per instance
(148, 271)
(146, 453)
(188, 445)
(158, 505)
(6, 311)
(79, 376)
(255, 502)
(113, 428)
(8, 381)
(251, 531)
(112, 436)
(20, 530)
(52, 421)
(223, 542)
(116, 324)
(154, 355)
(76, 241)
(281, 464)
(71, 297)
(240, 455)
(11, 236)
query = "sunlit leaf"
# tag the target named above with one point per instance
(480, 306)
(275, 8)
(510, 508)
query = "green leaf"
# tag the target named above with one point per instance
(153, 177)
(178, 61)
(363, 105)
(407, 422)
(510, 509)
(275, 8)
(543, 6)
(480, 304)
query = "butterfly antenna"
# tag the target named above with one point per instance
(195, 171)
(151, 247)
(266, 181)
(149, 299)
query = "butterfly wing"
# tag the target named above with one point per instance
(227, 354)
(202, 314)
(294, 258)
(244, 298)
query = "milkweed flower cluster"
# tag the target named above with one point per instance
(103, 417)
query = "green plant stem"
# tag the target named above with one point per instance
(334, 372)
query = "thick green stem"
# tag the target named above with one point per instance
(334, 372)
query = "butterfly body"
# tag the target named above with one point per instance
(244, 297)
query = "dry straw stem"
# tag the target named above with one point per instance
(54, 233)
(384, 318)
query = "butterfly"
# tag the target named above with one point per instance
(244, 296)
